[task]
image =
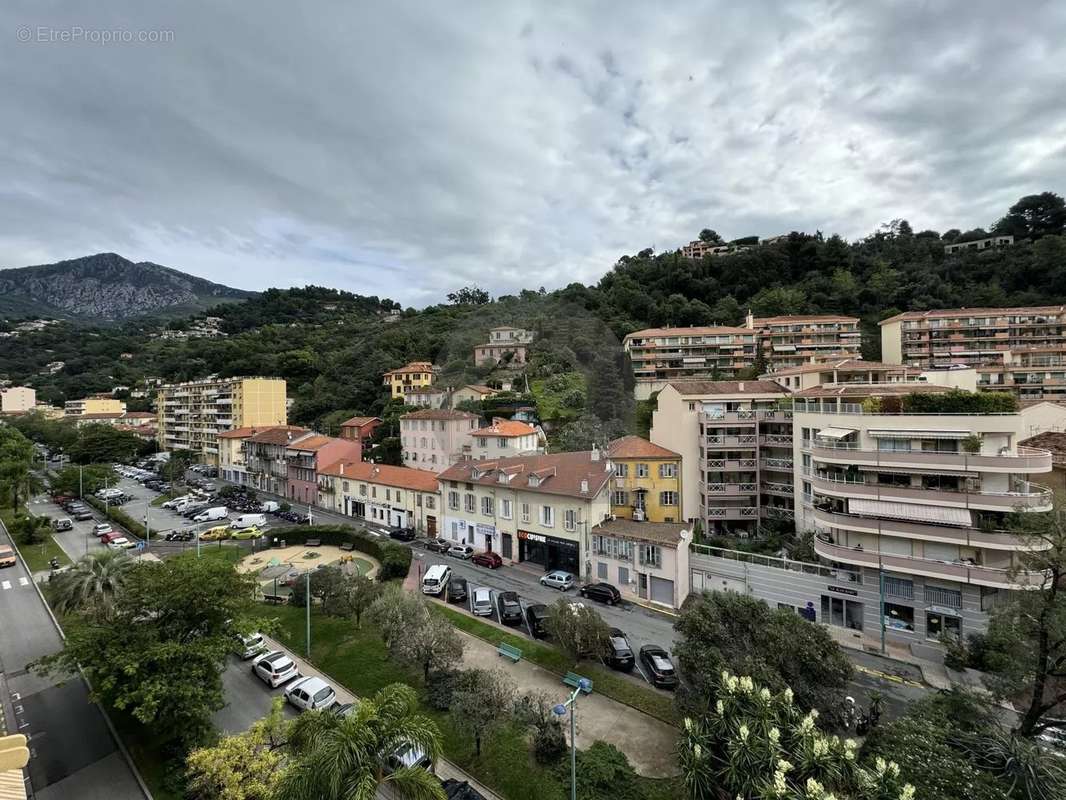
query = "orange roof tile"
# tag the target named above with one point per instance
(704, 331)
(359, 422)
(418, 480)
(638, 447)
(505, 428)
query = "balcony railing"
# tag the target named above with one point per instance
(1025, 459)
(731, 441)
(722, 464)
(731, 489)
(960, 571)
(776, 439)
(781, 464)
(1032, 498)
(909, 529)
(777, 512)
(776, 487)
(732, 512)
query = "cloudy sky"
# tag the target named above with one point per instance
(407, 148)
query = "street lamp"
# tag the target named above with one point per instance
(583, 685)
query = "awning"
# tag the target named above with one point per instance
(882, 508)
(897, 470)
(919, 434)
(835, 433)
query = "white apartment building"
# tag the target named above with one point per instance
(433, 439)
(17, 399)
(502, 439)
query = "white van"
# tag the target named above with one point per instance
(436, 578)
(248, 520)
(270, 506)
(211, 514)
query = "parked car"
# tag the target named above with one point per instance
(101, 528)
(463, 551)
(7, 556)
(180, 536)
(270, 506)
(246, 533)
(177, 501)
(62, 524)
(216, 533)
(275, 668)
(490, 559)
(310, 694)
(82, 515)
(482, 604)
(248, 520)
(620, 652)
(107, 538)
(510, 608)
(601, 592)
(342, 709)
(436, 579)
(438, 545)
(658, 666)
(402, 534)
(211, 514)
(251, 646)
(536, 616)
(121, 543)
(460, 790)
(558, 579)
(457, 590)
(406, 755)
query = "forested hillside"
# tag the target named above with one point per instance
(332, 346)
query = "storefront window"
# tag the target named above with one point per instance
(937, 624)
(900, 618)
(842, 613)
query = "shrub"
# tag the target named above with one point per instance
(956, 656)
(958, 401)
(604, 773)
(440, 688)
(121, 517)
(535, 711)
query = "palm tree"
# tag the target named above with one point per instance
(339, 758)
(92, 584)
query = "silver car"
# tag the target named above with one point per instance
(308, 694)
(558, 579)
(481, 602)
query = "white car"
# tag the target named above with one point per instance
(309, 694)
(558, 579)
(121, 543)
(481, 602)
(102, 529)
(177, 501)
(251, 646)
(463, 551)
(275, 668)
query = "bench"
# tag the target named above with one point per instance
(574, 680)
(275, 599)
(347, 547)
(509, 651)
(313, 543)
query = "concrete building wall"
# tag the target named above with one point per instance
(17, 399)
(892, 342)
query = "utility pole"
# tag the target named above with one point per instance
(308, 599)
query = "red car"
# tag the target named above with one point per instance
(489, 559)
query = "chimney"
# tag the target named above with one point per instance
(742, 386)
(342, 468)
(584, 486)
(595, 453)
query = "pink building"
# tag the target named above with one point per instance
(309, 455)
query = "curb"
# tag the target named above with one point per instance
(107, 717)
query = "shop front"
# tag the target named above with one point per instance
(548, 551)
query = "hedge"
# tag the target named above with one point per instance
(119, 516)
(395, 559)
(958, 401)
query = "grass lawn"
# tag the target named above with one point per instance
(550, 403)
(358, 660)
(37, 555)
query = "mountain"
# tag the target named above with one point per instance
(106, 287)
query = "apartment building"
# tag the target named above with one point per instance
(647, 561)
(307, 456)
(912, 505)
(472, 393)
(505, 345)
(96, 404)
(735, 443)
(662, 355)
(191, 415)
(502, 439)
(266, 457)
(843, 371)
(406, 379)
(792, 341)
(987, 243)
(232, 463)
(646, 486)
(427, 397)
(433, 439)
(118, 419)
(360, 429)
(380, 494)
(536, 509)
(17, 399)
(698, 249)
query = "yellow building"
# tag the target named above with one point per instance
(191, 415)
(647, 481)
(409, 378)
(97, 404)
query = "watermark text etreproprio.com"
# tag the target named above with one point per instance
(46, 34)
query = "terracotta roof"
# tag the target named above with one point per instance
(1054, 441)
(506, 428)
(315, 441)
(479, 388)
(784, 320)
(706, 331)
(664, 533)
(860, 390)
(728, 387)
(282, 434)
(418, 480)
(413, 366)
(638, 447)
(560, 473)
(843, 363)
(438, 413)
(239, 433)
(975, 312)
(359, 422)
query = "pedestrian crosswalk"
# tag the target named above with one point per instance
(5, 585)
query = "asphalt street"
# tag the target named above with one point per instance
(72, 753)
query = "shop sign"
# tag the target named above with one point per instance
(842, 590)
(485, 530)
(533, 537)
(942, 610)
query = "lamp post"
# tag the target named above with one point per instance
(308, 603)
(583, 685)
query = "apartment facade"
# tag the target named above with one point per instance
(307, 456)
(916, 506)
(698, 248)
(17, 399)
(536, 509)
(791, 341)
(266, 457)
(433, 439)
(987, 243)
(646, 486)
(408, 378)
(846, 371)
(381, 494)
(472, 393)
(662, 355)
(502, 439)
(505, 344)
(232, 464)
(647, 561)
(97, 404)
(190, 416)
(735, 443)
(359, 429)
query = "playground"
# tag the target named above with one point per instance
(278, 568)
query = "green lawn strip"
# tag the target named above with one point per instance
(604, 680)
(36, 555)
(160, 500)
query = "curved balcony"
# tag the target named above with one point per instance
(1026, 459)
(906, 529)
(1038, 498)
(930, 568)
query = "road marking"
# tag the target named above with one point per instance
(894, 678)
(24, 581)
(6, 585)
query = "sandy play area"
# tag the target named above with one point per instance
(286, 564)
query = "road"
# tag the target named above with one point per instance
(72, 752)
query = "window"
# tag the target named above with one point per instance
(418, 501)
(894, 445)
(486, 506)
(547, 516)
(668, 470)
(346, 487)
(399, 496)
(569, 520)
(482, 441)
(900, 618)
(362, 490)
(505, 509)
(501, 442)
(453, 501)
(650, 555)
(470, 504)
(938, 596)
(430, 503)
(388, 495)
(525, 512)
(899, 587)
(642, 470)
(619, 498)
(668, 498)
(373, 491)
(621, 470)
(423, 441)
(601, 570)
(841, 613)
